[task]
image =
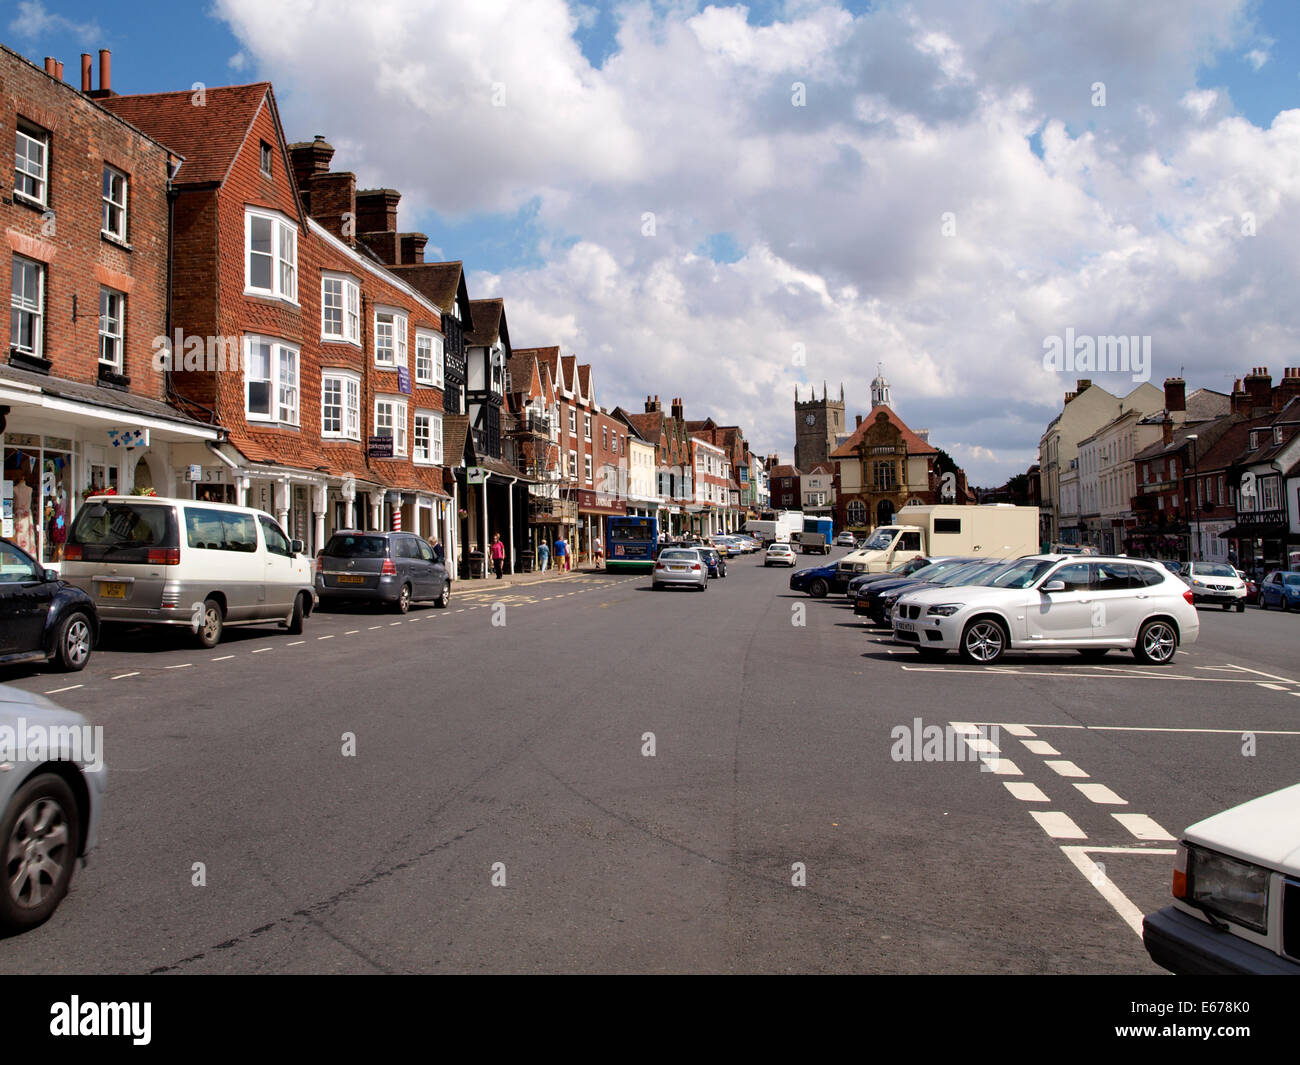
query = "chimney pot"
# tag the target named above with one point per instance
(85, 71)
(857, 421)
(105, 70)
(58, 71)
(51, 65)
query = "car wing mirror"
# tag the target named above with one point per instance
(48, 575)
(1054, 586)
(296, 546)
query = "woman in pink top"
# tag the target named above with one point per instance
(498, 550)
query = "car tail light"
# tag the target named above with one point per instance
(1191, 599)
(1180, 873)
(320, 561)
(389, 569)
(72, 553)
(164, 556)
(695, 566)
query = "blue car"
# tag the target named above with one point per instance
(820, 581)
(1281, 588)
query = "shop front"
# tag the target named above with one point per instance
(593, 509)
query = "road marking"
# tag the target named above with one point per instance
(351, 632)
(373, 627)
(1065, 672)
(1142, 827)
(260, 650)
(1154, 728)
(1261, 673)
(1101, 795)
(295, 643)
(1024, 791)
(1271, 687)
(980, 745)
(1057, 825)
(1039, 747)
(330, 637)
(1097, 877)
(223, 658)
(123, 676)
(1018, 730)
(392, 623)
(184, 665)
(1002, 767)
(70, 687)
(1065, 769)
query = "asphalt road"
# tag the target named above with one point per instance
(500, 814)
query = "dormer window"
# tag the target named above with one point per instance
(265, 159)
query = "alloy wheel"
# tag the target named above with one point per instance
(37, 854)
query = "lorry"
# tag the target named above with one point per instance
(995, 530)
(780, 526)
(816, 535)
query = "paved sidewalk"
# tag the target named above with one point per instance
(551, 574)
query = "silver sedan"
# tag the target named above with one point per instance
(680, 565)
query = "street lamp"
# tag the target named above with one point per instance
(1196, 477)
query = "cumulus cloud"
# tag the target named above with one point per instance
(32, 21)
(943, 194)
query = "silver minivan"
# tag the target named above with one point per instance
(160, 561)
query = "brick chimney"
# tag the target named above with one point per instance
(309, 158)
(377, 210)
(1240, 402)
(857, 421)
(1082, 385)
(1259, 387)
(1175, 398)
(85, 72)
(412, 247)
(1167, 431)
(678, 412)
(1287, 388)
(51, 66)
(651, 405)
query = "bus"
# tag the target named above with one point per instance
(631, 543)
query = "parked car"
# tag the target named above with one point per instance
(881, 605)
(868, 600)
(1281, 588)
(49, 810)
(1090, 604)
(680, 566)
(779, 554)
(158, 561)
(1252, 589)
(905, 569)
(1216, 582)
(820, 581)
(717, 565)
(845, 539)
(393, 569)
(42, 617)
(1236, 888)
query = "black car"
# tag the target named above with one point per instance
(390, 568)
(41, 616)
(906, 569)
(876, 600)
(714, 560)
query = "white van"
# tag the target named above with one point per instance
(152, 560)
(995, 530)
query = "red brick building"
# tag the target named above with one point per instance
(82, 402)
(323, 366)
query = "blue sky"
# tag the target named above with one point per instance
(811, 229)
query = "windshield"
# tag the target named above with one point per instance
(963, 574)
(1212, 569)
(680, 556)
(912, 565)
(629, 533)
(880, 539)
(991, 575)
(1021, 574)
(1291, 578)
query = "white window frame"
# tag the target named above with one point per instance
(573, 422)
(434, 442)
(586, 426)
(19, 307)
(40, 177)
(399, 329)
(434, 379)
(349, 404)
(586, 466)
(573, 465)
(398, 422)
(284, 391)
(107, 336)
(110, 204)
(284, 235)
(349, 308)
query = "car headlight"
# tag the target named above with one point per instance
(1228, 887)
(944, 610)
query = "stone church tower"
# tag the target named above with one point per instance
(817, 422)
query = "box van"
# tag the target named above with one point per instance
(996, 530)
(152, 560)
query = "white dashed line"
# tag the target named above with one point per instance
(1018, 730)
(223, 658)
(1101, 795)
(1024, 791)
(184, 665)
(295, 643)
(263, 650)
(351, 632)
(123, 676)
(373, 627)
(1039, 747)
(1142, 827)
(1002, 767)
(70, 687)
(325, 637)
(1271, 687)
(392, 623)
(1065, 769)
(1057, 825)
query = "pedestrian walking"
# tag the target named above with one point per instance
(543, 556)
(498, 554)
(561, 554)
(600, 552)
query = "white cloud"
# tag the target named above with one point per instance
(32, 21)
(1130, 220)
(1257, 57)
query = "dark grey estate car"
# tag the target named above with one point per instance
(394, 568)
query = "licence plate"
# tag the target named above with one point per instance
(905, 626)
(112, 590)
(678, 569)
(350, 578)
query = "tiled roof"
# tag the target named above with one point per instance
(440, 282)
(784, 471)
(584, 378)
(455, 433)
(915, 445)
(568, 376)
(487, 322)
(649, 425)
(209, 137)
(109, 398)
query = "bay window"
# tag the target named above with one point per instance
(270, 380)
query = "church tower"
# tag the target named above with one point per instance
(817, 422)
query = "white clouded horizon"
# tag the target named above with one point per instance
(1132, 218)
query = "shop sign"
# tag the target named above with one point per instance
(404, 380)
(128, 437)
(379, 447)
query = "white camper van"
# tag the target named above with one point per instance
(996, 530)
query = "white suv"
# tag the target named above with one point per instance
(1091, 604)
(1236, 893)
(1216, 582)
(779, 554)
